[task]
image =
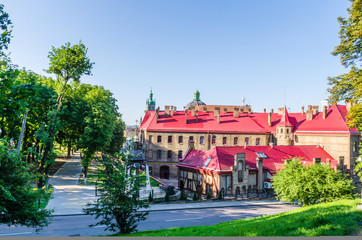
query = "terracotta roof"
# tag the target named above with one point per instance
(335, 122)
(222, 158)
(285, 121)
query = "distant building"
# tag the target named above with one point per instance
(131, 132)
(164, 135)
(150, 103)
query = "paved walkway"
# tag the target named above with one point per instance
(68, 197)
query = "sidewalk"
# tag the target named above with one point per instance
(68, 198)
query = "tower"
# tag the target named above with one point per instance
(284, 130)
(150, 103)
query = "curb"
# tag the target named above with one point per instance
(185, 208)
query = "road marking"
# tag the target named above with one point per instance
(230, 216)
(100, 226)
(182, 219)
(9, 234)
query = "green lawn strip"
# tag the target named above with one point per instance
(142, 179)
(335, 219)
(46, 196)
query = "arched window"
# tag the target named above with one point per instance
(281, 130)
(240, 171)
(202, 140)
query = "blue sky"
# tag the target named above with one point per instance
(225, 49)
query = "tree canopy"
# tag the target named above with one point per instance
(310, 184)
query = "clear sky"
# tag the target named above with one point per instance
(226, 49)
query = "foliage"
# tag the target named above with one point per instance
(310, 184)
(19, 203)
(339, 218)
(167, 197)
(118, 202)
(183, 195)
(194, 197)
(5, 32)
(208, 196)
(219, 196)
(349, 86)
(150, 198)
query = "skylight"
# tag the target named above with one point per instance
(261, 155)
(207, 162)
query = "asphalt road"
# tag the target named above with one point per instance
(78, 225)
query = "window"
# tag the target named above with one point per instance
(180, 139)
(224, 140)
(240, 171)
(317, 160)
(169, 154)
(287, 130)
(213, 140)
(150, 138)
(169, 139)
(281, 130)
(191, 138)
(159, 139)
(235, 141)
(150, 155)
(257, 142)
(159, 154)
(189, 184)
(247, 141)
(180, 154)
(355, 146)
(202, 140)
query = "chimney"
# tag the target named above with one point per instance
(269, 119)
(259, 164)
(309, 115)
(171, 111)
(197, 115)
(264, 110)
(280, 111)
(236, 112)
(186, 117)
(349, 104)
(167, 110)
(192, 111)
(324, 112)
(191, 144)
(303, 110)
(272, 110)
(216, 111)
(218, 117)
(157, 112)
(315, 109)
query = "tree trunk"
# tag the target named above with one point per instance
(69, 147)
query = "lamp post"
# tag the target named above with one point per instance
(22, 132)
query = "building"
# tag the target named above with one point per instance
(164, 135)
(239, 170)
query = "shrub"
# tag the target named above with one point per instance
(150, 198)
(194, 197)
(219, 196)
(208, 196)
(310, 184)
(183, 195)
(167, 197)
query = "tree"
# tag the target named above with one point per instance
(118, 202)
(67, 63)
(5, 34)
(348, 86)
(18, 200)
(310, 184)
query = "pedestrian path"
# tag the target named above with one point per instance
(69, 198)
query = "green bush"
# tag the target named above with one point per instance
(310, 184)
(219, 196)
(167, 197)
(194, 197)
(150, 198)
(183, 195)
(208, 196)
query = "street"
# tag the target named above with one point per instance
(78, 225)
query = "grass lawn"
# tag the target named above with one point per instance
(44, 201)
(142, 178)
(333, 219)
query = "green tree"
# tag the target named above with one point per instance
(18, 200)
(67, 63)
(348, 86)
(118, 202)
(310, 184)
(5, 32)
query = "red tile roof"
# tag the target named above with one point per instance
(222, 158)
(335, 122)
(285, 121)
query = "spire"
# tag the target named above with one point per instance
(197, 96)
(151, 95)
(285, 121)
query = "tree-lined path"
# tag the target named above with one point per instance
(68, 197)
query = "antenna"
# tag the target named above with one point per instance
(284, 97)
(243, 99)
